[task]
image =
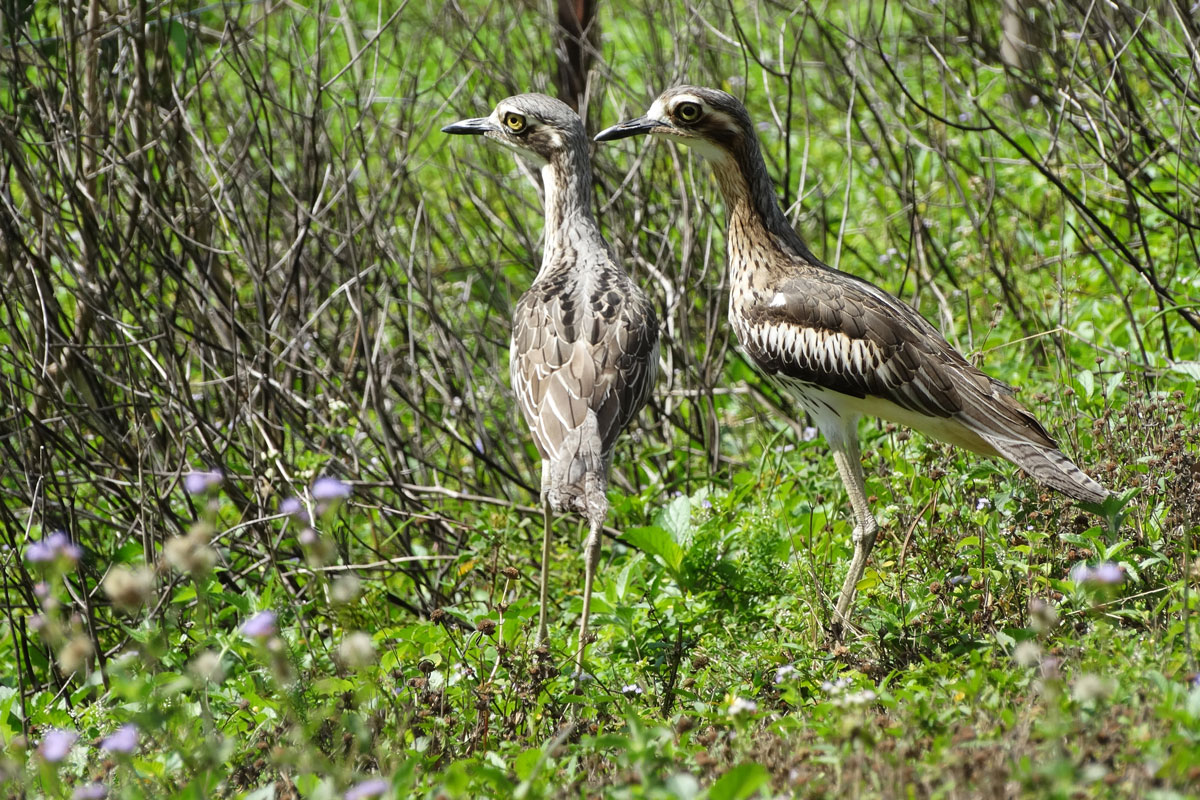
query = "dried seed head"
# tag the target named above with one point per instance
(207, 667)
(129, 588)
(357, 650)
(75, 654)
(345, 589)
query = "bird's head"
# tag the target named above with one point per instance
(710, 121)
(534, 125)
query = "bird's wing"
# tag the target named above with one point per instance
(571, 354)
(843, 333)
(626, 357)
(853, 338)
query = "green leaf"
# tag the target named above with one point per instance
(656, 542)
(676, 519)
(1087, 382)
(740, 782)
(1189, 368)
(525, 763)
(332, 685)
(625, 574)
(1114, 383)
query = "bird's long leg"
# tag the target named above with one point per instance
(547, 518)
(849, 462)
(591, 553)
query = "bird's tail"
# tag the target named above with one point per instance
(1049, 466)
(996, 417)
(575, 478)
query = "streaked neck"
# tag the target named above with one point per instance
(750, 200)
(567, 179)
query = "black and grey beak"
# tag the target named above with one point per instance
(633, 127)
(477, 126)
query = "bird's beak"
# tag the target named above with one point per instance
(477, 126)
(633, 127)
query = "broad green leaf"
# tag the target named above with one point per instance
(676, 518)
(1189, 368)
(1087, 382)
(740, 782)
(657, 542)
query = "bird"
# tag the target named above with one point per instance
(585, 344)
(842, 347)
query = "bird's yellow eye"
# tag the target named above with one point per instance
(514, 122)
(687, 112)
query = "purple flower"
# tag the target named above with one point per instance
(810, 433)
(1108, 573)
(330, 489)
(959, 580)
(56, 744)
(202, 482)
(51, 548)
(123, 740)
(368, 788)
(706, 503)
(90, 791)
(39, 552)
(293, 508)
(260, 626)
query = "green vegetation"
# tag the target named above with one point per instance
(254, 317)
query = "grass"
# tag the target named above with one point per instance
(283, 277)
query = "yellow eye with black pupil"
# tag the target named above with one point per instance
(515, 122)
(687, 112)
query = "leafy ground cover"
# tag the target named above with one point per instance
(269, 521)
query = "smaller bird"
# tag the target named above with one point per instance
(841, 346)
(584, 348)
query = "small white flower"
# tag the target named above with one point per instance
(631, 690)
(1090, 687)
(784, 672)
(741, 705)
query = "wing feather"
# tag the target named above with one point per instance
(572, 354)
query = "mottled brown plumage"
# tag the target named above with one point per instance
(584, 350)
(841, 346)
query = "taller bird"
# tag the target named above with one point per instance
(841, 346)
(584, 349)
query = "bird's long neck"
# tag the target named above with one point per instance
(752, 209)
(570, 226)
